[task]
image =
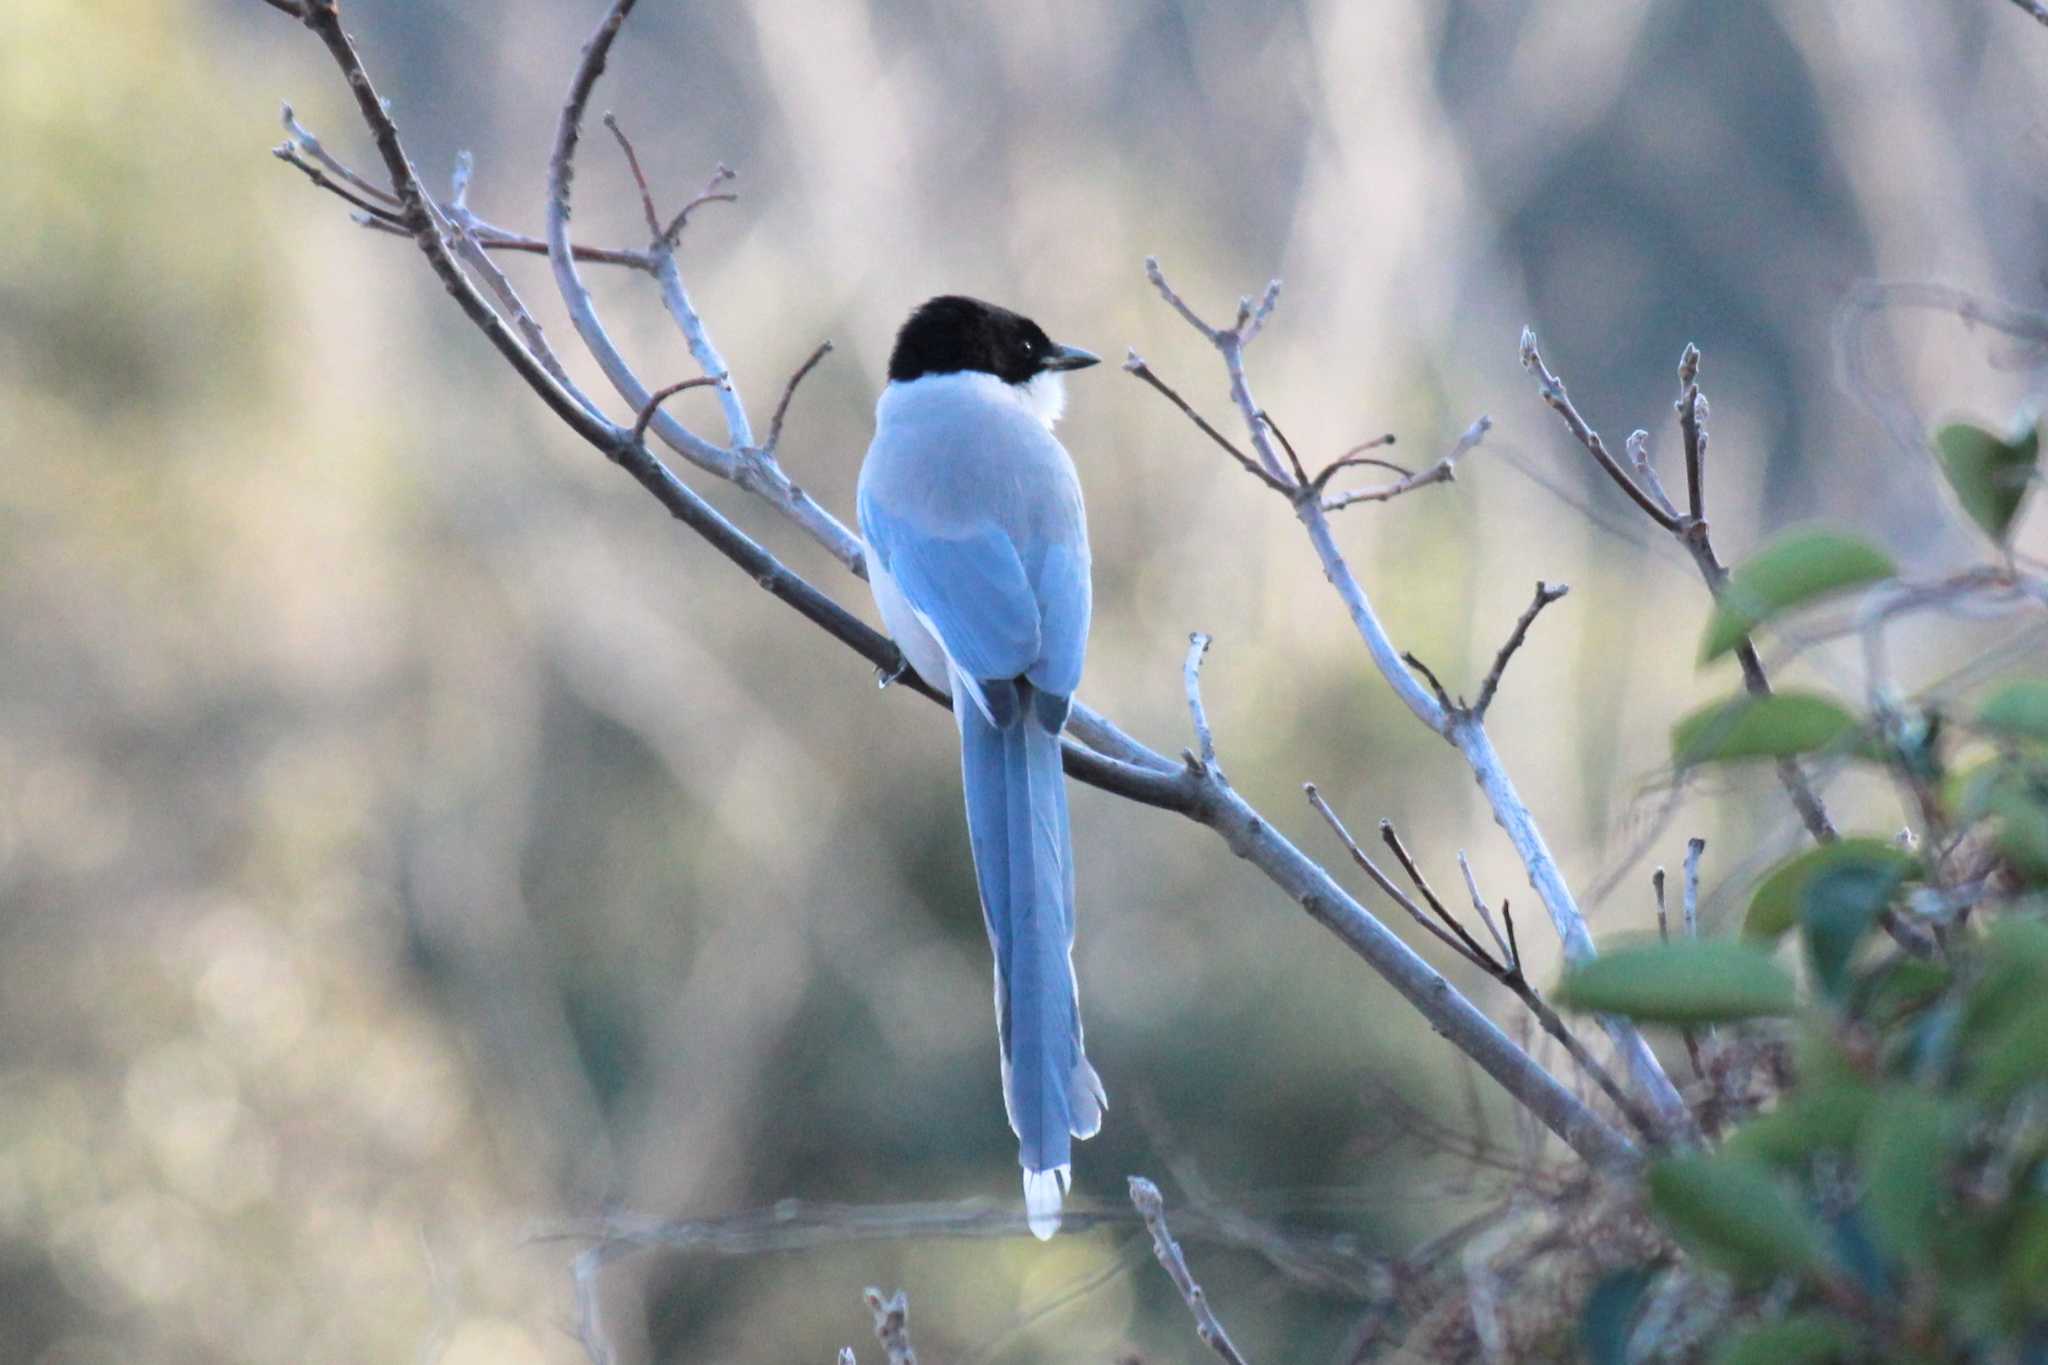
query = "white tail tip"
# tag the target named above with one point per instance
(1043, 1191)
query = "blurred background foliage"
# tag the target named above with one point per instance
(409, 838)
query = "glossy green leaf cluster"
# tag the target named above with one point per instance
(1889, 1202)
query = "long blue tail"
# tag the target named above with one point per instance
(1024, 861)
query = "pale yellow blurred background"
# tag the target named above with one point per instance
(410, 838)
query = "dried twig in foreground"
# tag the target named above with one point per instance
(892, 1324)
(1151, 1206)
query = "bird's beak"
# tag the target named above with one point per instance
(1070, 358)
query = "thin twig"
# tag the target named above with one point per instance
(1638, 447)
(289, 154)
(710, 194)
(1191, 679)
(1443, 698)
(1692, 416)
(1545, 595)
(503, 239)
(2036, 8)
(1135, 364)
(313, 147)
(1692, 532)
(1251, 319)
(1294, 460)
(1388, 885)
(382, 214)
(1553, 392)
(459, 230)
(1392, 840)
(639, 179)
(1694, 848)
(1479, 905)
(1507, 972)
(662, 395)
(1151, 1206)
(1689, 909)
(1443, 471)
(789, 392)
(892, 1324)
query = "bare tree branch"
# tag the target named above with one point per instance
(1506, 969)
(460, 230)
(1690, 530)
(1458, 726)
(1151, 1206)
(1552, 389)
(1443, 471)
(1135, 364)
(2036, 8)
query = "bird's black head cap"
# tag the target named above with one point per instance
(952, 333)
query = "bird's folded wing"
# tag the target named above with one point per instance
(1062, 594)
(969, 588)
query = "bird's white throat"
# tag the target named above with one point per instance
(1044, 395)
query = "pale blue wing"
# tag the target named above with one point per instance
(970, 588)
(1062, 591)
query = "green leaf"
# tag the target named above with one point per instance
(1839, 904)
(1689, 981)
(1760, 727)
(1775, 906)
(1816, 1117)
(1610, 1315)
(1735, 1215)
(2018, 711)
(2022, 825)
(1807, 1339)
(2026, 1260)
(1903, 1168)
(1793, 570)
(2012, 975)
(2015, 1049)
(1990, 475)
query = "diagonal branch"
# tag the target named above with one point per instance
(824, 349)
(1552, 390)
(1135, 364)
(1545, 595)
